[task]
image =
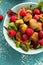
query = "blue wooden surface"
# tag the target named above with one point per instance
(8, 56)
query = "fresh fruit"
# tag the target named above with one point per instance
(41, 42)
(36, 17)
(29, 31)
(1, 17)
(22, 12)
(36, 11)
(41, 34)
(25, 37)
(13, 18)
(11, 33)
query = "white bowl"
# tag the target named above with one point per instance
(10, 41)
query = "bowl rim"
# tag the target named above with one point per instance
(5, 34)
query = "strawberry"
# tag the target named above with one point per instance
(36, 11)
(22, 12)
(41, 42)
(13, 18)
(1, 17)
(25, 37)
(36, 17)
(29, 31)
(41, 34)
(11, 33)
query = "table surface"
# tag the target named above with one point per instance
(9, 56)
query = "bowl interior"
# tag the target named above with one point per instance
(10, 41)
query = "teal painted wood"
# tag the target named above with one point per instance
(9, 56)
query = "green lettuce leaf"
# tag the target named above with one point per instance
(12, 25)
(40, 5)
(17, 44)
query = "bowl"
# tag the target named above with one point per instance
(10, 41)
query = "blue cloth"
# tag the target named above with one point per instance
(9, 56)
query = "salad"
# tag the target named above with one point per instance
(26, 27)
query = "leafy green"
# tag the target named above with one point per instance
(13, 26)
(17, 44)
(12, 38)
(19, 17)
(40, 5)
(39, 46)
(26, 46)
(23, 46)
(9, 28)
